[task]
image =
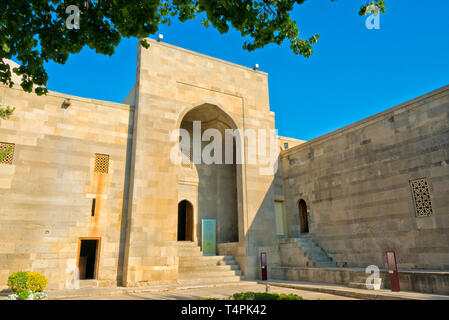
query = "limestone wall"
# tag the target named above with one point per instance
(46, 193)
(356, 184)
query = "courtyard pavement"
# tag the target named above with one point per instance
(221, 292)
(307, 290)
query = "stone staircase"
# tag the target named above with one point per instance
(318, 258)
(196, 269)
(360, 283)
(303, 251)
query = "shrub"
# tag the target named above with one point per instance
(25, 281)
(36, 282)
(289, 296)
(17, 282)
(265, 296)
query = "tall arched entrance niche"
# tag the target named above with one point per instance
(216, 186)
(303, 217)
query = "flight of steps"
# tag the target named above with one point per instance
(316, 257)
(360, 283)
(195, 269)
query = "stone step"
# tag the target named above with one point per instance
(226, 267)
(329, 264)
(303, 235)
(316, 253)
(317, 257)
(189, 248)
(321, 258)
(186, 244)
(204, 263)
(309, 246)
(209, 274)
(314, 250)
(308, 243)
(357, 285)
(189, 252)
(363, 285)
(360, 282)
(210, 258)
(205, 280)
(90, 283)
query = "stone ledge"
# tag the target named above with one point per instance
(354, 293)
(426, 281)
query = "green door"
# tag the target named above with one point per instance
(208, 237)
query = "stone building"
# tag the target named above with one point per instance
(91, 190)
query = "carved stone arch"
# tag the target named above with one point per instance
(202, 103)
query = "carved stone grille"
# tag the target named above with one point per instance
(421, 197)
(187, 158)
(101, 163)
(3, 147)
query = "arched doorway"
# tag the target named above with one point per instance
(303, 220)
(185, 221)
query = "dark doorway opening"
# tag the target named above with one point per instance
(303, 219)
(88, 258)
(185, 221)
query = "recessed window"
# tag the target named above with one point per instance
(6, 152)
(285, 145)
(101, 163)
(421, 197)
(94, 202)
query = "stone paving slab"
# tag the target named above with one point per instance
(222, 292)
(114, 291)
(365, 294)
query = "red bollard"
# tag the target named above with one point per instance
(263, 265)
(393, 271)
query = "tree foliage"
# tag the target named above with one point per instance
(35, 31)
(5, 113)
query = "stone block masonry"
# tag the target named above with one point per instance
(48, 189)
(358, 185)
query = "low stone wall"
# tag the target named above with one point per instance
(410, 280)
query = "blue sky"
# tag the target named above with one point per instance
(353, 73)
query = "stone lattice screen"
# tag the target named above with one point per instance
(3, 147)
(187, 158)
(421, 197)
(101, 163)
